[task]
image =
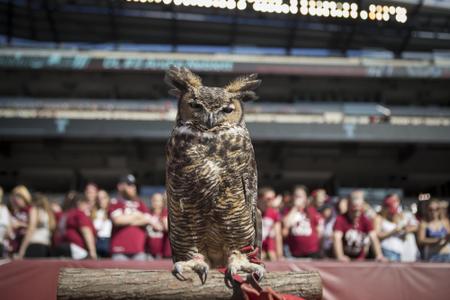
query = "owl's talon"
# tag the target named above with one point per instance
(259, 275)
(178, 276)
(178, 272)
(229, 280)
(239, 262)
(201, 268)
(203, 274)
(196, 264)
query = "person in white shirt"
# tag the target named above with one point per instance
(5, 226)
(396, 230)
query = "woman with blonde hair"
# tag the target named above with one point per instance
(158, 226)
(434, 234)
(41, 224)
(102, 223)
(20, 209)
(395, 229)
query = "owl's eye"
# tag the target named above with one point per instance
(228, 109)
(195, 105)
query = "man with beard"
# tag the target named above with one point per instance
(129, 216)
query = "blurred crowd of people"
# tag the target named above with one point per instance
(296, 224)
(315, 225)
(85, 225)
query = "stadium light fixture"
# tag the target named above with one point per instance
(392, 10)
(241, 5)
(231, 5)
(319, 8)
(363, 15)
(304, 10)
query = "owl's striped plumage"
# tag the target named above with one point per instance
(211, 174)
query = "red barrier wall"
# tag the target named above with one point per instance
(37, 279)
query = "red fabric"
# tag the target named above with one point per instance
(314, 214)
(155, 238)
(250, 288)
(303, 237)
(155, 246)
(75, 220)
(38, 279)
(167, 251)
(355, 234)
(269, 245)
(58, 234)
(127, 239)
(270, 217)
(253, 293)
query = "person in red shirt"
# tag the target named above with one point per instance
(80, 231)
(302, 226)
(129, 216)
(353, 232)
(272, 242)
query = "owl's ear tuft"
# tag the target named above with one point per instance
(248, 96)
(243, 86)
(180, 80)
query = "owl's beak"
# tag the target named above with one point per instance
(211, 120)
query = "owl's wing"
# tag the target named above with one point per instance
(250, 185)
(168, 232)
(258, 230)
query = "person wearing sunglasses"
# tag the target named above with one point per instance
(434, 234)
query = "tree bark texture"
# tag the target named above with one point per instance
(79, 283)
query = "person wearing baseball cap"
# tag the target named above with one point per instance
(129, 216)
(127, 179)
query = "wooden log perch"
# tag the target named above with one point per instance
(78, 283)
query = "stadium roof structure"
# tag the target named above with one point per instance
(281, 26)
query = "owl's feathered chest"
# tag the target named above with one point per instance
(208, 162)
(189, 147)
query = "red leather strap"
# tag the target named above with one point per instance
(252, 254)
(250, 288)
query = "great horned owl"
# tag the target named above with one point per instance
(211, 177)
